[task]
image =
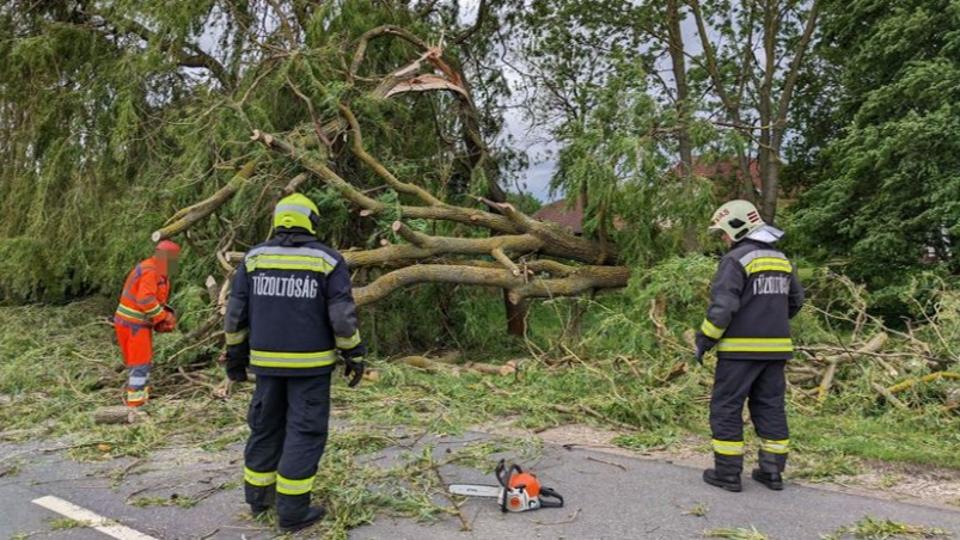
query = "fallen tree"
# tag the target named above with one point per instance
(495, 244)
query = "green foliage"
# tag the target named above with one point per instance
(108, 127)
(888, 184)
(872, 528)
(738, 533)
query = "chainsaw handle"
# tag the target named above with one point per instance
(504, 474)
(548, 493)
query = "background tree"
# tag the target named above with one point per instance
(885, 200)
(366, 99)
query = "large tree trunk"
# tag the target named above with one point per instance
(678, 61)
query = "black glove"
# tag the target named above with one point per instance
(237, 358)
(353, 370)
(704, 343)
(353, 364)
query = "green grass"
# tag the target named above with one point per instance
(57, 364)
(736, 534)
(869, 528)
(66, 523)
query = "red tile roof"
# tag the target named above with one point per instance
(561, 212)
(572, 217)
(723, 169)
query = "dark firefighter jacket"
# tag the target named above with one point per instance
(291, 307)
(754, 294)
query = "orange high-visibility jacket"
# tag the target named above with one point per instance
(145, 292)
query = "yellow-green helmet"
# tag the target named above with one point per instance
(296, 211)
(737, 218)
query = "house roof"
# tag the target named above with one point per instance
(723, 169)
(562, 213)
(571, 217)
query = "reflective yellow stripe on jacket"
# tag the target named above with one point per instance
(711, 330)
(769, 264)
(347, 343)
(291, 359)
(236, 338)
(131, 315)
(755, 345)
(286, 258)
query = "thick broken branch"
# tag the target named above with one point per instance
(872, 346)
(446, 212)
(557, 241)
(186, 217)
(584, 279)
(380, 31)
(391, 180)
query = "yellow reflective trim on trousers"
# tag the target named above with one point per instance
(124, 310)
(755, 345)
(300, 360)
(775, 447)
(259, 479)
(711, 330)
(288, 486)
(288, 262)
(347, 343)
(769, 264)
(727, 448)
(236, 338)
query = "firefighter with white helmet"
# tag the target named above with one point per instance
(754, 294)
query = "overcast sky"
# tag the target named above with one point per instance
(535, 142)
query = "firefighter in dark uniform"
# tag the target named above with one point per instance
(754, 294)
(290, 316)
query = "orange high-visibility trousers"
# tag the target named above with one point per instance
(136, 345)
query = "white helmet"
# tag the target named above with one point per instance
(737, 218)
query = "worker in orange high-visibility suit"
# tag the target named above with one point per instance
(143, 309)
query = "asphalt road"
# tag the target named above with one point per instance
(608, 496)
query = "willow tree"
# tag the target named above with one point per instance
(189, 120)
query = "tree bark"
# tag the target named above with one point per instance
(583, 279)
(185, 218)
(678, 60)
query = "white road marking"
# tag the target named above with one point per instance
(107, 526)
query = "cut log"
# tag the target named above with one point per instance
(119, 414)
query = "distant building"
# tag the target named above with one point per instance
(562, 213)
(725, 171)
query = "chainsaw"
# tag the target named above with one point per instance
(518, 491)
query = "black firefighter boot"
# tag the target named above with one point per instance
(770, 472)
(260, 498)
(294, 512)
(726, 472)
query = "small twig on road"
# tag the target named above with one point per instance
(612, 464)
(464, 523)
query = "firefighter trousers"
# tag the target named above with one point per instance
(288, 420)
(762, 385)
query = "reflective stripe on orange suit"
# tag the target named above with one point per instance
(145, 291)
